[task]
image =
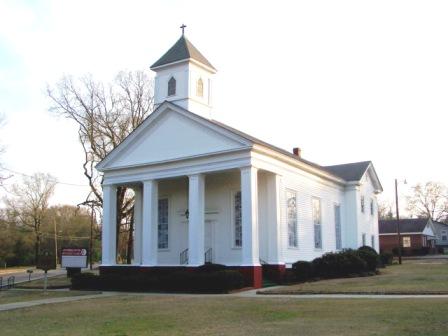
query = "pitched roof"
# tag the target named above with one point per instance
(406, 225)
(182, 50)
(232, 130)
(349, 171)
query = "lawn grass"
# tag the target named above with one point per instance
(412, 277)
(170, 315)
(58, 281)
(17, 295)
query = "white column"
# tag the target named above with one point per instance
(138, 225)
(109, 231)
(274, 182)
(149, 231)
(249, 216)
(196, 191)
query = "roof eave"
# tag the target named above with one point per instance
(185, 60)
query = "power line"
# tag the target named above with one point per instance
(55, 181)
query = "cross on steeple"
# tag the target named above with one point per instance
(183, 28)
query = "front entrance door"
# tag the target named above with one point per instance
(208, 240)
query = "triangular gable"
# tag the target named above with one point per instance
(171, 133)
(371, 173)
(429, 229)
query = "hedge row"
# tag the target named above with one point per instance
(217, 281)
(345, 263)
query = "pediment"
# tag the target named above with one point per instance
(171, 134)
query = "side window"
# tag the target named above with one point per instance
(163, 224)
(237, 223)
(363, 239)
(317, 221)
(291, 204)
(372, 207)
(444, 235)
(372, 241)
(200, 88)
(172, 86)
(406, 241)
(362, 204)
(337, 223)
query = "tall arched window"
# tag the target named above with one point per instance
(172, 86)
(200, 88)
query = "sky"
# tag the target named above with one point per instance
(345, 81)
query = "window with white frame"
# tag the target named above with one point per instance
(172, 86)
(372, 207)
(337, 224)
(372, 241)
(363, 239)
(444, 235)
(163, 224)
(200, 88)
(317, 221)
(406, 241)
(237, 221)
(362, 204)
(291, 204)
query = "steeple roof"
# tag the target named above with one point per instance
(182, 50)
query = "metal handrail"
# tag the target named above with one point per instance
(184, 257)
(208, 255)
(11, 280)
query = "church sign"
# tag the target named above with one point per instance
(46, 261)
(74, 258)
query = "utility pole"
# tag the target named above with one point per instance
(91, 236)
(398, 222)
(55, 243)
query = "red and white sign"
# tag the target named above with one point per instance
(74, 257)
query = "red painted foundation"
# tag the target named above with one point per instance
(253, 275)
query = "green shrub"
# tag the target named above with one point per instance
(209, 267)
(386, 258)
(370, 256)
(303, 270)
(180, 281)
(340, 264)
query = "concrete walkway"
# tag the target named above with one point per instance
(26, 304)
(246, 294)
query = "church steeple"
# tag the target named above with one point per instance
(183, 76)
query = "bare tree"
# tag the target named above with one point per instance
(3, 175)
(28, 205)
(385, 210)
(429, 200)
(105, 115)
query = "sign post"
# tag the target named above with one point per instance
(46, 262)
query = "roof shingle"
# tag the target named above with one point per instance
(349, 171)
(406, 225)
(182, 50)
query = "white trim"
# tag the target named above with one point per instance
(152, 118)
(404, 233)
(186, 60)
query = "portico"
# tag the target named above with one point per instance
(200, 219)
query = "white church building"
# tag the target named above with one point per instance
(206, 192)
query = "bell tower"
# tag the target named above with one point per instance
(184, 77)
